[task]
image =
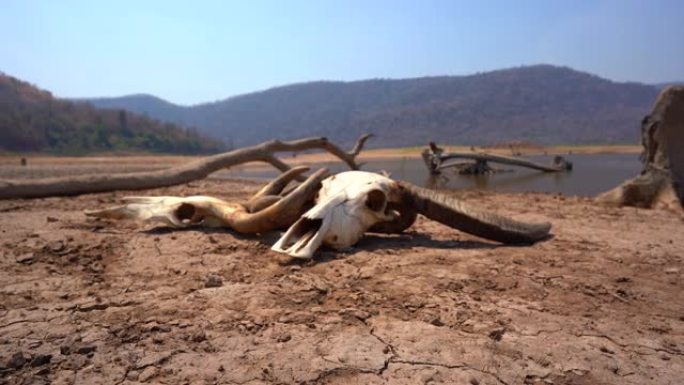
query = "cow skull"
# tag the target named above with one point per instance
(351, 203)
(347, 205)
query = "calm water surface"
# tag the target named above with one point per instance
(591, 175)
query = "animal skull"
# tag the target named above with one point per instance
(267, 210)
(348, 204)
(351, 203)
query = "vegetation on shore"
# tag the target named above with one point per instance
(32, 120)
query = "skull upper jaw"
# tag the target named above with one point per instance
(337, 222)
(306, 235)
(303, 238)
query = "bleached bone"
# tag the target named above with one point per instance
(348, 204)
(351, 203)
(264, 212)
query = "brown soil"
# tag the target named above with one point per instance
(91, 302)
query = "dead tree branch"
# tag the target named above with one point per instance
(201, 168)
(435, 159)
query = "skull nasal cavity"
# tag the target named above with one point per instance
(376, 200)
(185, 211)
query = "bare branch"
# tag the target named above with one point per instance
(280, 165)
(348, 157)
(435, 157)
(201, 168)
(359, 144)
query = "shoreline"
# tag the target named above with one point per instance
(164, 160)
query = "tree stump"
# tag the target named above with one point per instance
(661, 181)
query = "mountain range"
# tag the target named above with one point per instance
(542, 104)
(32, 120)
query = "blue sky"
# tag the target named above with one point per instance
(196, 51)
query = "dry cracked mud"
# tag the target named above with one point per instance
(84, 301)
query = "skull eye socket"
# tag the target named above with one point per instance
(376, 200)
(185, 212)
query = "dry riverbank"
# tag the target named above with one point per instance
(45, 166)
(91, 302)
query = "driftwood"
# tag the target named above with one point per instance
(201, 168)
(661, 181)
(435, 159)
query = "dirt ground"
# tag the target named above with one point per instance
(85, 301)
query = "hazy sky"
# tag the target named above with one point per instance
(196, 51)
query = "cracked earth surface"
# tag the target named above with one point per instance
(84, 301)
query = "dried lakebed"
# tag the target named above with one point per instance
(93, 302)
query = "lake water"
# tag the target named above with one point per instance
(591, 174)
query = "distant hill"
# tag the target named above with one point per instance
(667, 84)
(541, 104)
(33, 120)
(144, 104)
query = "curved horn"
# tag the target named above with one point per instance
(405, 215)
(280, 214)
(260, 203)
(456, 214)
(268, 194)
(278, 184)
